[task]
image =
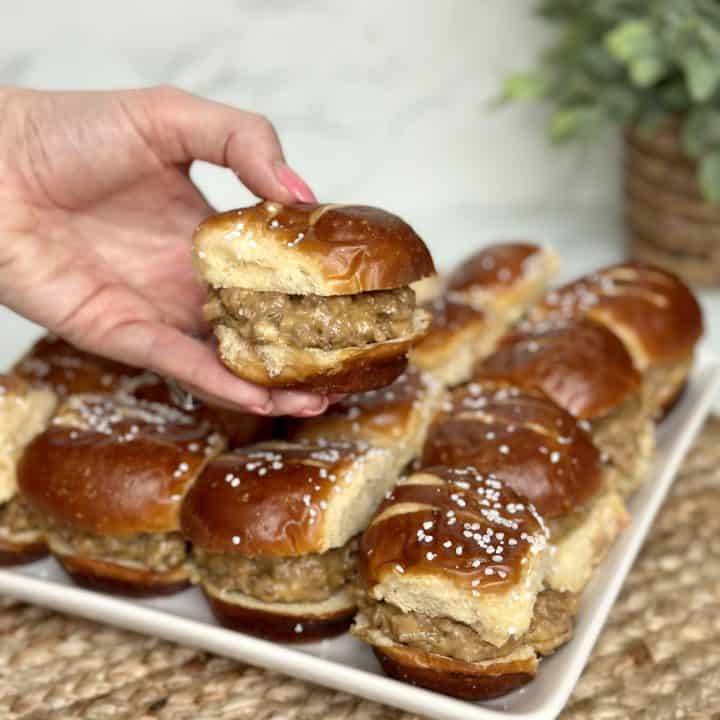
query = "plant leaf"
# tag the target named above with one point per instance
(709, 176)
(524, 86)
(567, 123)
(631, 40)
(645, 71)
(703, 74)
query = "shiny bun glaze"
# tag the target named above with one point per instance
(650, 307)
(269, 499)
(453, 522)
(448, 318)
(579, 364)
(523, 438)
(500, 265)
(115, 466)
(378, 416)
(68, 371)
(359, 248)
(238, 428)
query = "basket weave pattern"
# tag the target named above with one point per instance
(668, 221)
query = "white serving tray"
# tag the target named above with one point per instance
(347, 664)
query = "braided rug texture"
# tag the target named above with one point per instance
(658, 657)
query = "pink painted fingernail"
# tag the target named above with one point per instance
(298, 188)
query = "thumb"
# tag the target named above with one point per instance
(182, 127)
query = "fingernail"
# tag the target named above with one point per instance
(297, 187)
(264, 409)
(311, 411)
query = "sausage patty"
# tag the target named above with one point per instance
(313, 321)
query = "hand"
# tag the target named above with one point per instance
(96, 215)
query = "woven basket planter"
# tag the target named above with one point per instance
(669, 223)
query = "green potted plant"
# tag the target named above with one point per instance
(651, 67)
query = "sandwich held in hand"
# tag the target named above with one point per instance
(313, 297)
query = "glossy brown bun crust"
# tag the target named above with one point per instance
(117, 579)
(68, 371)
(238, 428)
(21, 553)
(453, 677)
(277, 627)
(350, 248)
(500, 265)
(521, 437)
(651, 309)
(115, 474)
(579, 364)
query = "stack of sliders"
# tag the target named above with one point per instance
(53, 370)
(461, 502)
(561, 415)
(274, 530)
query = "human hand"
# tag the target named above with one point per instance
(96, 215)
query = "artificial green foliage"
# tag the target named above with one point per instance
(632, 62)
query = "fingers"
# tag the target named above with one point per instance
(183, 127)
(194, 364)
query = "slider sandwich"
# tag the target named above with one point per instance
(654, 314)
(313, 297)
(504, 279)
(274, 529)
(24, 412)
(459, 336)
(451, 573)
(587, 371)
(395, 417)
(539, 451)
(106, 480)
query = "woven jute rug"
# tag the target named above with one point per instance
(659, 656)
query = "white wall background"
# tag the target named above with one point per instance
(385, 102)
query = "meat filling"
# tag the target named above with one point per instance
(306, 578)
(159, 552)
(625, 436)
(551, 627)
(17, 521)
(313, 321)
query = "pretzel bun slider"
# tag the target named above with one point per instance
(651, 310)
(586, 370)
(314, 297)
(504, 278)
(395, 417)
(543, 454)
(106, 479)
(274, 532)
(459, 336)
(451, 566)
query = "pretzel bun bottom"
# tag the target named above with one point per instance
(117, 579)
(271, 624)
(12, 553)
(458, 679)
